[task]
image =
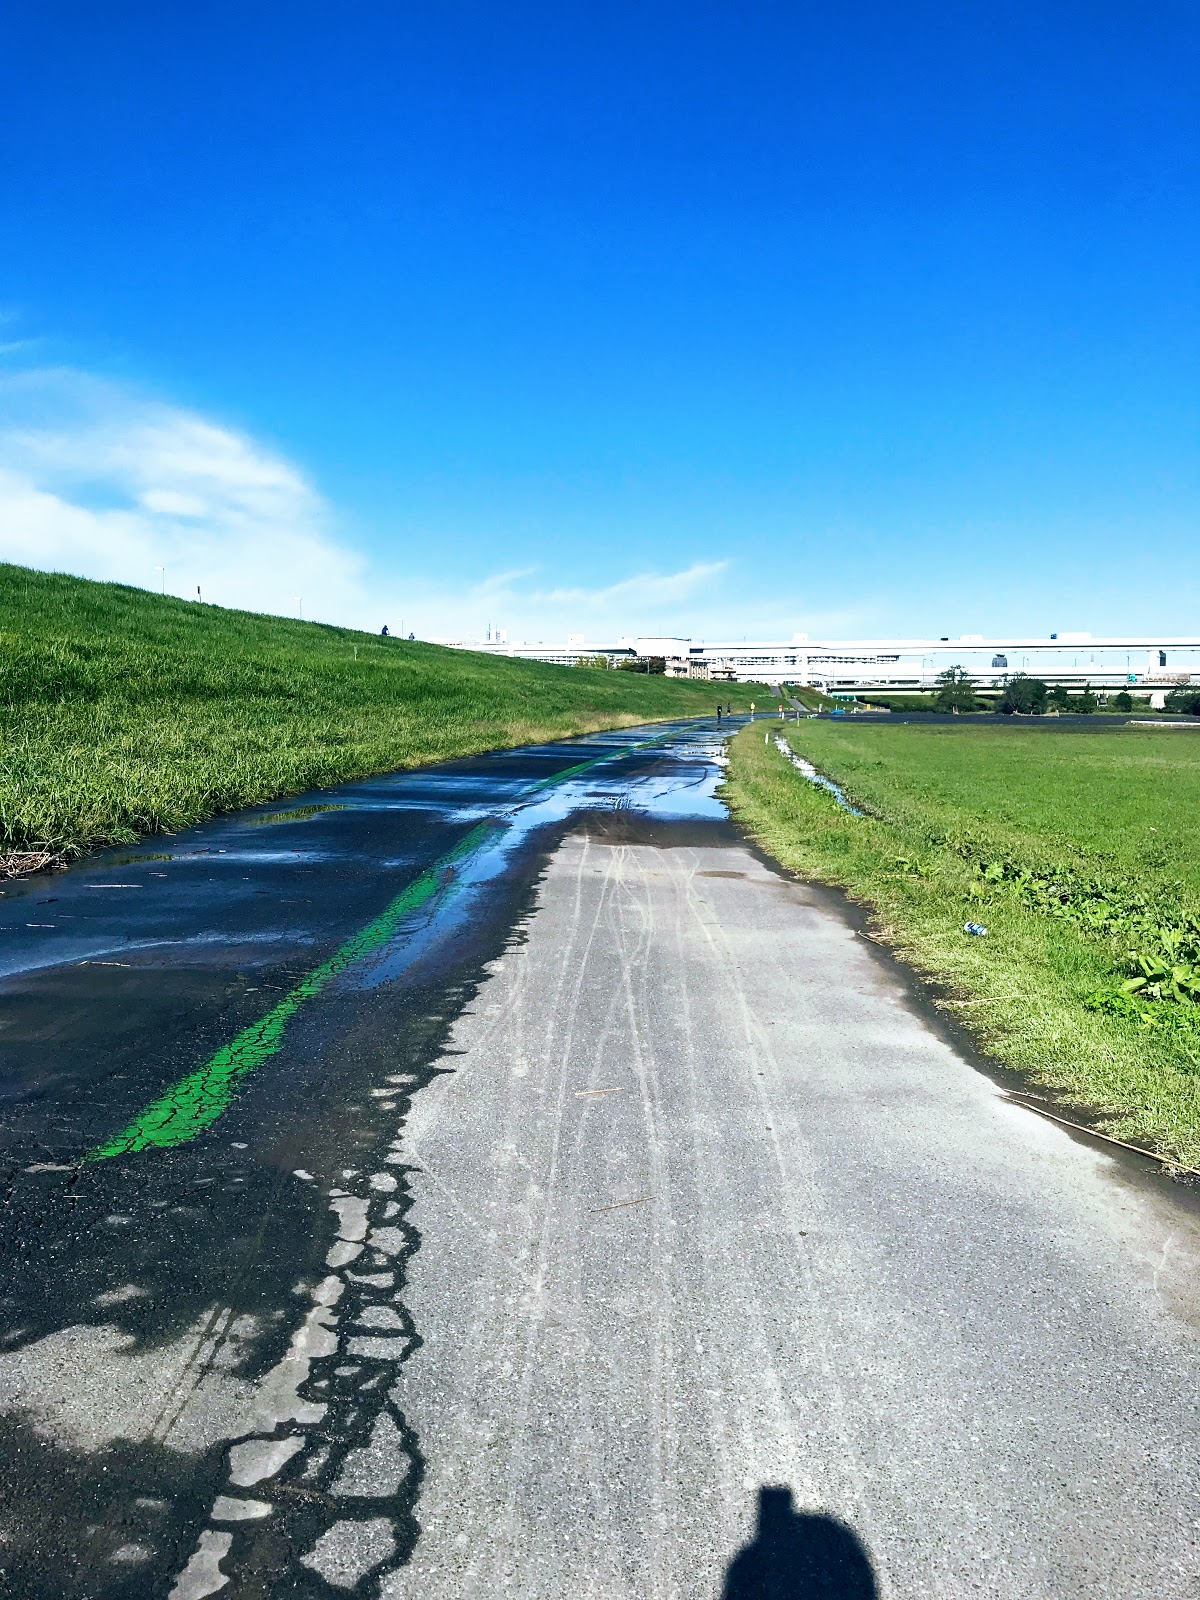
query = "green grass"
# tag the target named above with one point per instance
(1072, 848)
(124, 713)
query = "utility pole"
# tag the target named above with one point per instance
(163, 570)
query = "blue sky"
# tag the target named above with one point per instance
(713, 318)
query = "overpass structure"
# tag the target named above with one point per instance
(855, 666)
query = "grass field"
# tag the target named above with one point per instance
(1080, 853)
(125, 713)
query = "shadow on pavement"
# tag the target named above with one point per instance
(799, 1555)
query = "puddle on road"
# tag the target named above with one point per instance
(297, 814)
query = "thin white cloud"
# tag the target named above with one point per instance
(647, 589)
(98, 480)
(646, 603)
(500, 582)
(107, 484)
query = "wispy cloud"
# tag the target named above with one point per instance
(647, 602)
(648, 588)
(109, 483)
(102, 482)
(9, 315)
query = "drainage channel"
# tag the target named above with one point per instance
(807, 770)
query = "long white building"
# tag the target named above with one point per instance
(858, 665)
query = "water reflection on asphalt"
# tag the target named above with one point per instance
(244, 1286)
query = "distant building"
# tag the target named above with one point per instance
(858, 665)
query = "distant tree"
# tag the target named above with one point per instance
(1122, 701)
(599, 661)
(1024, 696)
(650, 664)
(1085, 703)
(1058, 698)
(1184, 699)
(956, 691)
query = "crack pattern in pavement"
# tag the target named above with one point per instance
(323, 1496)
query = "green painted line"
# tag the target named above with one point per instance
(594, 761)
(196, 1102)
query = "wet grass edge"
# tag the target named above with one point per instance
(1015, 997)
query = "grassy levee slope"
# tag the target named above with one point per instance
(1073, 849)
(126, 713)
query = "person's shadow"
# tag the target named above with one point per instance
(799, 1555)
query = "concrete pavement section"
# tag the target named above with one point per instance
(706, 1207)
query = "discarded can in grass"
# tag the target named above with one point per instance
(974, 927)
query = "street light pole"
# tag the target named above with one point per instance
(163, 570)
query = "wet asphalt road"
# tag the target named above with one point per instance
(146, 1298)
(605, 1184)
